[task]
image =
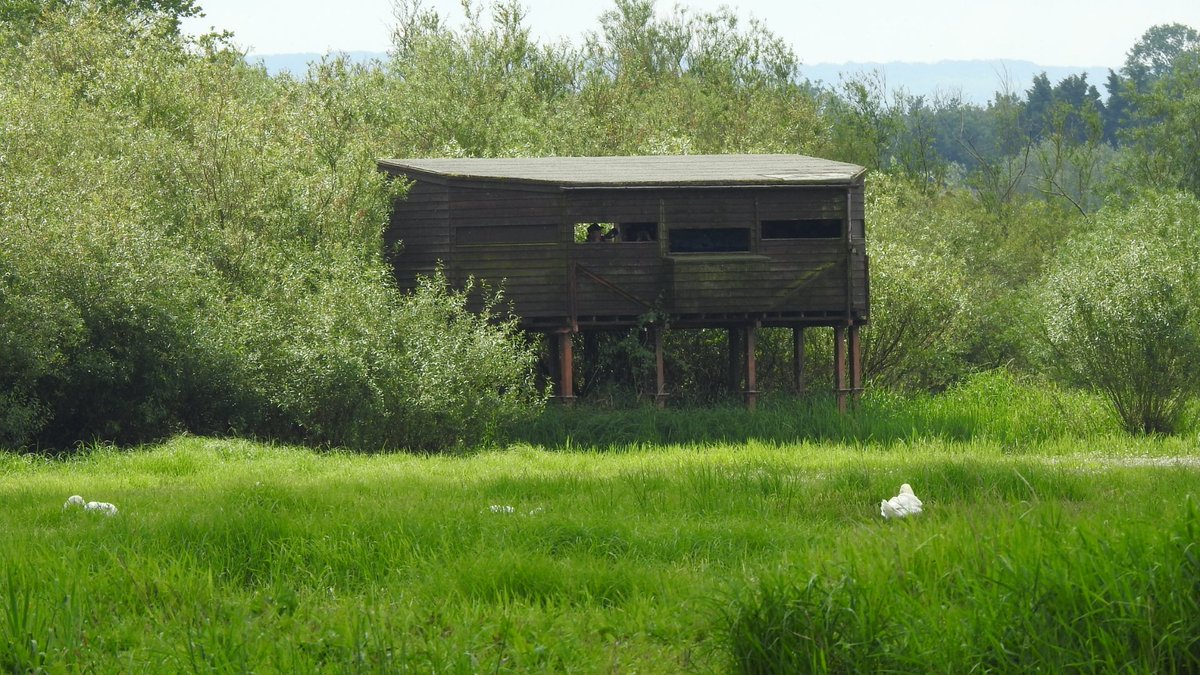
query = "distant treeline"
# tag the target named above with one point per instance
(1065, 135)
(188, 243)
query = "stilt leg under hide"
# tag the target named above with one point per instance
(565, 391)
(839, 366)
(751, 368)
(855, 364)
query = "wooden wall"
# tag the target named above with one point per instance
(513, 237)
(418, 236)
(524, 236)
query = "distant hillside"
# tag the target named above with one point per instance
(975, 81)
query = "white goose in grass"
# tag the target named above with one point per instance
(904, 504)
(101, 507)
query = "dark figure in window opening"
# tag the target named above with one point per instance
(595, 233)
(638, 232)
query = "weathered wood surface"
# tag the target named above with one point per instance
(418, 236)
(521, 237)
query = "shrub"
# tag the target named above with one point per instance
(190, 245)
(919, 290)
(351, 362)
(1121, 310)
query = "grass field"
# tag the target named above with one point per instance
(232, 556)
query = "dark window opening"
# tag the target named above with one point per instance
(616, 232)
(715, 240)
(809, 228)
(639, 232)
(595, 232)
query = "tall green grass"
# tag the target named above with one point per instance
(1047, 591)
(994, 405)
(235, 556)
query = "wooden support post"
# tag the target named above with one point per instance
(735, 359)
(751, 374)
(566, 368)
(660, 389)
(798, 359)
(839, 366)
(855, 364)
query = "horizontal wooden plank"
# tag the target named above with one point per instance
(420, 228)
(429, 233)
(501, 222)
(413, 203)
(496, 268)
(415, 215)
(479, 256)
(418, 243)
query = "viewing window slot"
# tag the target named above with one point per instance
(639, 231)
(709, 240)
(802, 228)
(616, 232)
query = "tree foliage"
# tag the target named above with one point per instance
(1122, 309)
(1155, 53)
(188, 243)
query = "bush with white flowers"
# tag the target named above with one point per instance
(1122, 310)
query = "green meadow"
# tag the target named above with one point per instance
(193, 248)
(1069, 554)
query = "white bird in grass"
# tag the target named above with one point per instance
(103, 507)
(904, 504)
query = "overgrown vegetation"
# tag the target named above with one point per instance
(189, 244)
(754, 557)
(1123, 309)
(992, 406)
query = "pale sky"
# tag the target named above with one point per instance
(1047, 32)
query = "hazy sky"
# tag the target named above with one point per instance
(1048, 32)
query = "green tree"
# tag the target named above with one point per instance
(1154, 54)
(1151, 58)
(22, 19)
(1122, 310)
(1164, 140)
(1000, 160)
(1117, 109)
(865, 121)
(917, 149)
(189, 244)
(1071, 151)
(1039, 99)
(919, 289)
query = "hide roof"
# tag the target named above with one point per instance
(645, 171)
